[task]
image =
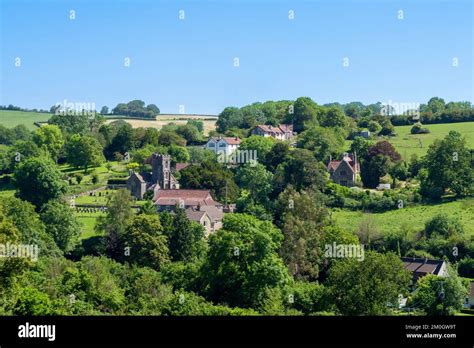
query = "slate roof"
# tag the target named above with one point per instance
(421, 267)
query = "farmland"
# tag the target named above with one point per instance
(209, 121)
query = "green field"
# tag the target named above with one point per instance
(88, 221)
(408, 144)
(416, 216)
(11, 119)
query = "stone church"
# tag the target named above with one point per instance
(161, 177)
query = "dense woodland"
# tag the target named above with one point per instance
(269, 256)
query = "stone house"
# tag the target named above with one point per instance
(345, 171)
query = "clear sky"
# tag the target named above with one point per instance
(190, 62)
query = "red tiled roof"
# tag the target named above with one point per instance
(335, 164)
(228, 140)
(270, 129)
(189, 197)
(180, 166)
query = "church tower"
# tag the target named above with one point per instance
(161, 172)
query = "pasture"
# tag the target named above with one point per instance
(408, 144)
(414, 216)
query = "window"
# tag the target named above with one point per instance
(222, 145)
(212, 144)
(343, 182)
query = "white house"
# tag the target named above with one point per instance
(223, 144)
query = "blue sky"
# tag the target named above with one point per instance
(190, 62)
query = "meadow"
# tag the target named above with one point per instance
(408, 144)
(415, 216)
(10, 119)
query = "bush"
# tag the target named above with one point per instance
(79, 177)
(417, 129)
(95, 178)
(466, 267)
(443, 226)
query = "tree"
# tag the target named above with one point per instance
(257, 180)
(148, 245)
(435, 105)
(185, 238)
(360, 146)
(196, 123)
(50, 138)
(378, 162)
(370, 286)
(32, 302)
(228, 118)
(306, 112)
(447, 166)
(84, 151)
(262, 145)
(323, 142)
(243, 262)
(30, 227)
(77, 124)
(104, 110)
(200, 155)
(189, 132)
(440, 295)
(61, 224)
(374, 126)
(301, 170)
(212, 177)
(122, 142)
(302, 220)
(179, 154)
(333, 117)
(278, 154)
(38, 181)
(115, 223)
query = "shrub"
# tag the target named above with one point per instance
(466, 267)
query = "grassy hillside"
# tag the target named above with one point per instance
(11, 119)
(408, 144)
(416, 216)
